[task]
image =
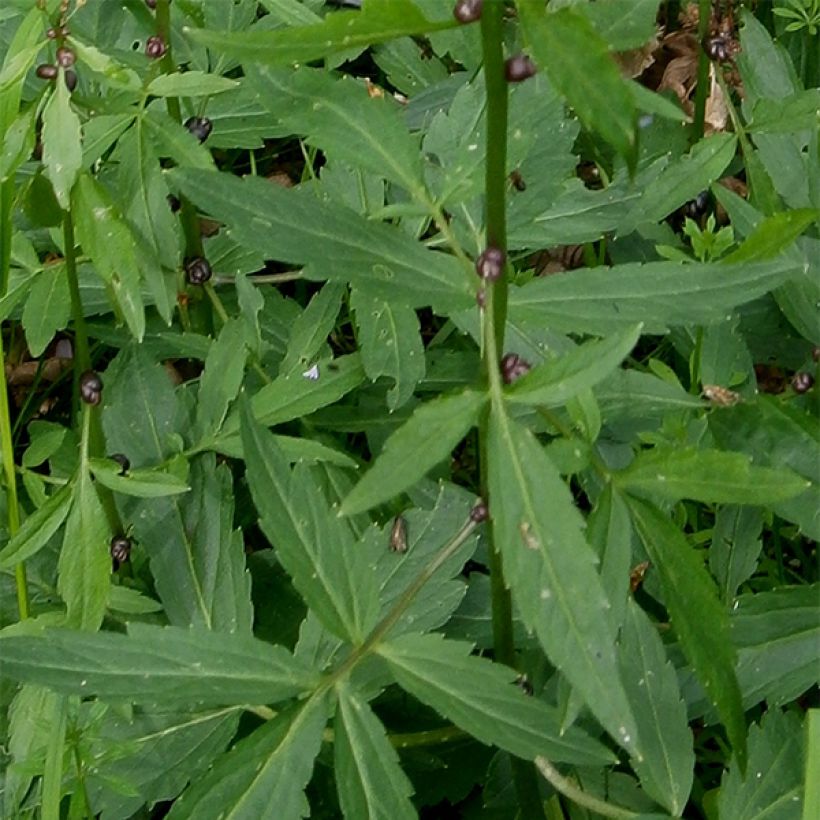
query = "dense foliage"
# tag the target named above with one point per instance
(409, 409)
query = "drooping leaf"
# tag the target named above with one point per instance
(441, 424)
(286, 225)
(369, 778)
(480, 697)
(62, 151)
(699, 619)
(107, 239)
(379, 21)
(772, 784)
(666, 770)
(390, 344)
(557, 380)
(265, 774)
(551, 571)
(707, 475)
(660, 294)
(312, 543)
(84, 568)
(160, 665)
(566, 45)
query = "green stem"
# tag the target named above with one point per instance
(495, 320)
(702, 88)
(577, 795)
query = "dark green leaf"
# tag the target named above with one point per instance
(265, 774)
(551, 571)
(735, 547)
(381, 20)
(312, 543)
(163, 665)
(700, 621)
(47, 308)
(481, 697)
(369, 778)
(440, 424)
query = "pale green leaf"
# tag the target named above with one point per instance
(390, 344)
(140, 482)
(556, 381)
(707, 475)
(189, 84)
(772, 235)
(652, 687)
(18, 143)
(115, 72)
(576, 59)
(84, 568)
(369, 779)
(339, 244)
(130, 601)
(772, 784)
(37, 529)
(312, 543)
(624, 24)
(480, 697)
(62, 151)
(700, 621)
(265, 774)
(152, 664)
(660, 294)
(381, 20)
(440, 424)
(551, 571)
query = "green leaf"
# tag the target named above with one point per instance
(624, 24)
(143, 483)
(369, 778)
(390, 344)
(660, 294)
(62, 150)
(772, 785)
(171, 139)
(189, 84)
(221, 378)
(652, 687)
(735, 547)
(341, 118)
(798, 110)
(313, 545)
(551, 571)
(379, 21)
(681, 180)
(265, 774)
(440, 424)
(811, 800)
(700, 621)
(84, 568)
(168, 666)
(772, 235)
(287, 225)
(707, 475)
(106, 238)
(481, 697)
(47, 308)
(18, 143)
(577, 61)
(556, 381)
(37, 529)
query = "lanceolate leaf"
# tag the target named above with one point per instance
(296, 227)
(557, 380)
(314, 546)
(652, 687)
(440, 424)
(161, 665)
(576, 59)
(378, 22)
(62, 152)
(47, 308)
(551, 571)
(660, 294)
(369, 778)
(481, 698)
(265, 774)
(84, 569)
(699, 619)
(772, 235)
(708, 475)
(138, 482)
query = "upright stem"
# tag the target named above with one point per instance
(492, 36)
(702, 88)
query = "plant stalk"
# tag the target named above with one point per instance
(702, 88)
(495, 320)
